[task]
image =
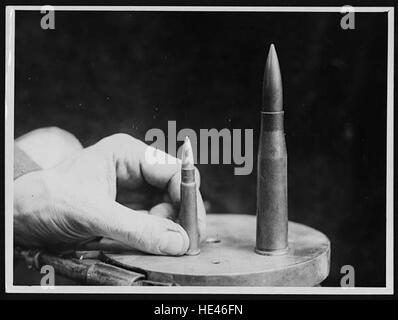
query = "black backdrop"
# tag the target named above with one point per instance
(100, 73)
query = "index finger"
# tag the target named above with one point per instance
(137, 162)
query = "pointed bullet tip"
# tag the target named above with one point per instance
(187, 154)
(272, 53)
(272, 85)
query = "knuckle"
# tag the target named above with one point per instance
(117, 141)
(120, 138)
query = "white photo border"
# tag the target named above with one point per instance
(9, 162)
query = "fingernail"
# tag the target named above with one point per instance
(173, 243)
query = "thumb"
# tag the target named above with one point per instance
(141, 231)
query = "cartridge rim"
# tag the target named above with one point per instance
(275, 252)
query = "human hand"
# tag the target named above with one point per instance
(76, 200)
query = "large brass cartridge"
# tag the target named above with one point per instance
(272, 208)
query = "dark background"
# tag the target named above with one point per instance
(101, 73)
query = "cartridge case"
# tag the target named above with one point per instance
(188, 210)
(272, 205)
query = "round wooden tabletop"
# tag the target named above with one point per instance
(227, 258)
